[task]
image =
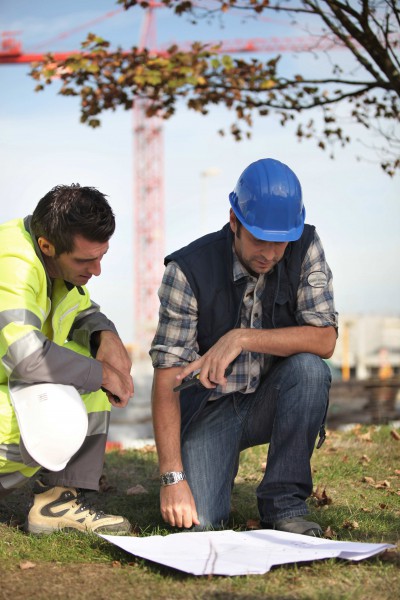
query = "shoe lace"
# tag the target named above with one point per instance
(84, 504)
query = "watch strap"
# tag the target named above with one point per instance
(172, 477)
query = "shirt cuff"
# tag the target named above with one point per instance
(166, 357)
(318, 319)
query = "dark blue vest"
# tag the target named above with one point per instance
(207, 265)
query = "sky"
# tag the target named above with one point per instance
(354, 205)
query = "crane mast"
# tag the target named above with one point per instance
(148, 221)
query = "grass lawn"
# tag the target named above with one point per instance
(356, 498)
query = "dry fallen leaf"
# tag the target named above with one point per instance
(382, 484)
(116, 564)
(253, 524)
(136, 490)
(27, 564)
(331, 434)
(321, 497)
(366, 510)
(350, 525)
(369, 480)
(329, 533)
(239, 479)
(395, 435)
(365, 459)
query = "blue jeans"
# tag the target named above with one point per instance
(287, 411)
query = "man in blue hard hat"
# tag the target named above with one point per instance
(248, 313)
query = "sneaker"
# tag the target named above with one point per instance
(56, 508)
(295, 525)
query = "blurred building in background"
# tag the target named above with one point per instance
(368, 346)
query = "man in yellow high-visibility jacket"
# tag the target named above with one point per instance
(51, 332)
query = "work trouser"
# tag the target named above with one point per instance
(287, 412)
(83, 470)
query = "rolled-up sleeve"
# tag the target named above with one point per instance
(175, 341)
(315, 299)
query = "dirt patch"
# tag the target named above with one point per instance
(70, 582)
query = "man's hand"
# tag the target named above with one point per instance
(177, 505)
(212, 365)
(117, 384)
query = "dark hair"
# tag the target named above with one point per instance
(70, 210)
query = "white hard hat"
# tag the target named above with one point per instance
(53, 422)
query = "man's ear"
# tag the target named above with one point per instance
(46, 247)
(232, 220)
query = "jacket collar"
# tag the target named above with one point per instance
(27, 225)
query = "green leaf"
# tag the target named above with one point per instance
(227, 61)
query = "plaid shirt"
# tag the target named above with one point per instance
(175, 341)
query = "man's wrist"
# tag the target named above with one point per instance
(172, 477)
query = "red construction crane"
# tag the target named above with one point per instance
(148, 165)
(148, 208)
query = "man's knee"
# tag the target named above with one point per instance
(309, 368)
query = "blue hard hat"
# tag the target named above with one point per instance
(267, 200)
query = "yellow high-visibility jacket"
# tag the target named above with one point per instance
(43, 326)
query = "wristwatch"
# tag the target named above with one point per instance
(172, 477)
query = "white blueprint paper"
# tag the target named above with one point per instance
(239, 553)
